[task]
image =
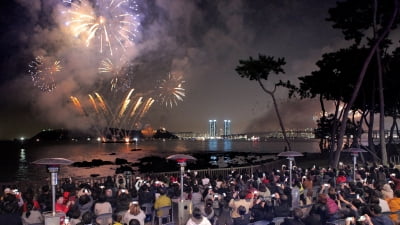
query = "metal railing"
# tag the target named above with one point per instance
(129, 178)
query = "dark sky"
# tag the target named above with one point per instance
(200, 40)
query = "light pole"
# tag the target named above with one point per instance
(290, 156)
(354, 152)
(181, 159)
(53, 166)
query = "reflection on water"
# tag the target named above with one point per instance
(22, 164)
(227, 145)
(213, 145)
(18, 164)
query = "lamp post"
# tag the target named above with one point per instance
(181, 159)
(53, 166)
(354, 152)
(290, 156)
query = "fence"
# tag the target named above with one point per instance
(129, 178)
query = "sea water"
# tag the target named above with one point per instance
(16, 164)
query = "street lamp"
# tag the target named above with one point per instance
(290, 156)
(53, 166)
(181, 159)
(354, 152)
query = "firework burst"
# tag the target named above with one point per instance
(110, 25)
(43, 71)
(122, 77)
(113, 118)
(171, 90)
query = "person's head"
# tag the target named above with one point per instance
(322, 198)
(134, 222)
(242, 194)
(241, 210)
(45, 188)
(397, 193)
(83, 199)
(161, 191)
(108, 192)
(74, 212)
(375, 209)
(297, 213)
(197, 213)
(134, 208)
(87, 217)
(60, 199)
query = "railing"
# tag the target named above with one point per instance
(129, 179)
(395, 159)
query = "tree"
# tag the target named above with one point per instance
(259, 70)
(352, 17)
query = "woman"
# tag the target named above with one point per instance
(134, 212)
(197, 218)
(102, 207)
(32, 215)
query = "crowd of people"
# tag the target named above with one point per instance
(370, 195)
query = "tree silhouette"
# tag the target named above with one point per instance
(259, 70)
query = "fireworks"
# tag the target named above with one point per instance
(171, 90)
(121, 76)
(110, 25)
(43, 70)
(121, 116)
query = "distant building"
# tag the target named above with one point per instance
(212, 128)
(227, 127)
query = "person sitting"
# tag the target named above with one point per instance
(60, 206)
(162, 201)
(394, 205)
(377, 218)
(32, 215)
(297, 218)
(197, 218)
(134, 222)
(87, 219)
(102, 207)
(134, 212)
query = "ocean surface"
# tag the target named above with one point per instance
(16, 162)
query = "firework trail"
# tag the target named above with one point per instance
(43, 71)
(109, 25)
(121, 80)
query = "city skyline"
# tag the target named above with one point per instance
(196, 49)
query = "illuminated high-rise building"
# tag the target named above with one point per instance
(227, 127)
(212, 128)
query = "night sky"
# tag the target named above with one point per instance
(200, 40)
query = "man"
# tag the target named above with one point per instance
(237, 204)
(162, 201)
(377, 218)
(394, 205)
(297, 218)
